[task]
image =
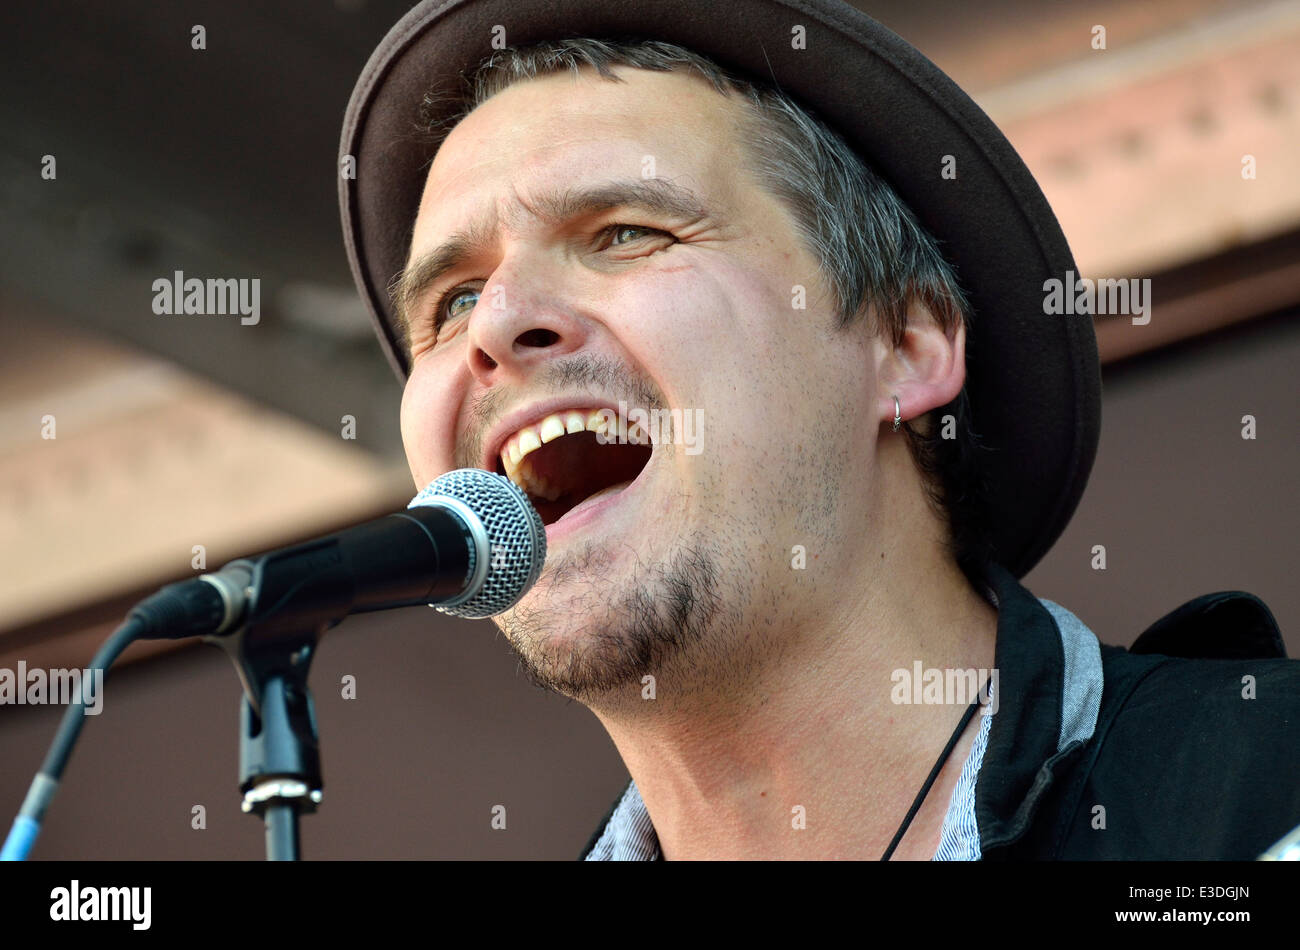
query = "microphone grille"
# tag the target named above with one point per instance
(515, 534)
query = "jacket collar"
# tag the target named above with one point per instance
(1050, 677)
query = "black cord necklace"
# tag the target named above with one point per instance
(934, 774)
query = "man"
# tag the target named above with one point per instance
(607, 241)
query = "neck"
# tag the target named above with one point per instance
(809, 755)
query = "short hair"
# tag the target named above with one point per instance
(874, 254)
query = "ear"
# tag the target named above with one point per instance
(926, 371)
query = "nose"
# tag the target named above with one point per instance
(522, 320)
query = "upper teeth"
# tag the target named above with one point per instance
(533, 437)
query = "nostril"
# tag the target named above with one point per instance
(487, 361)
(538, 338)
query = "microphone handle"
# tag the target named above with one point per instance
(430, 554)
(420, 556)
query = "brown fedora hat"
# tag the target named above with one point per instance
(1033, 378)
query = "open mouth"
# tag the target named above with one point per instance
(560, 462)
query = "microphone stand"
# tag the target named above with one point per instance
(279, 751)
(294, 596)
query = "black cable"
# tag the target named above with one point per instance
(46, 783)
(934, 774)
(56, 760)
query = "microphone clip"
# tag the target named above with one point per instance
(272, 650)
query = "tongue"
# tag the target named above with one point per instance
(592, 499)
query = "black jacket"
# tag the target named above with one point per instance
(1191, 750)
(1184, 764)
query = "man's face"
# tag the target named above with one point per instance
(685, 571)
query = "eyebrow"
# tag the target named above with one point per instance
(658, 196)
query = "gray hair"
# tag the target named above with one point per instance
(873, 252)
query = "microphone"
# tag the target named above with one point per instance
(470, 544)
(510, 549)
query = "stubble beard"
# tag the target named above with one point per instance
(599, 636)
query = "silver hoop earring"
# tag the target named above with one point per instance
(898, 414)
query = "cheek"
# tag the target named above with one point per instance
(696, 328)
(716, 341)
(427, 422)
(724, 332)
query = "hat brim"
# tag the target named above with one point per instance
(1033, 379)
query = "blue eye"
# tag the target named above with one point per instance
(457, 295)
(447, 305)
(619, 229)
